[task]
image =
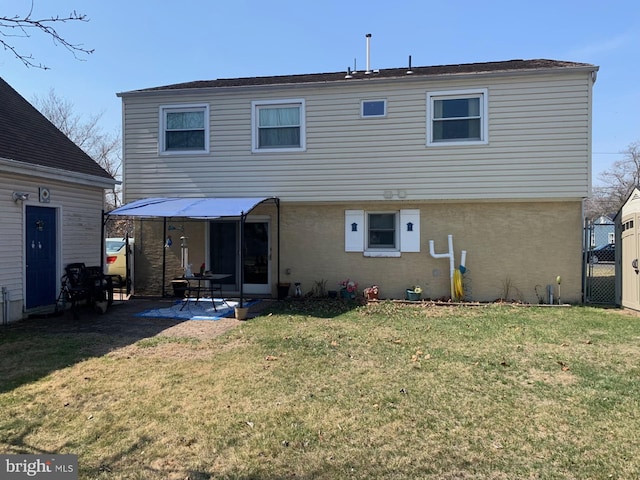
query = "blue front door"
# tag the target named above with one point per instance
(40, 234)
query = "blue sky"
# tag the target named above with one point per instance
(140, 44)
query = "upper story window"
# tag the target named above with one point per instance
(184, 129)
(278, 125)
(457, 117)
(373, 108)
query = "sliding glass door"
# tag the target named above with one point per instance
(224, 254)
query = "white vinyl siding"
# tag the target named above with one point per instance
(78, 217)
(539, 130)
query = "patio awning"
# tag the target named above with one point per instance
(190, 207)
(197, 208)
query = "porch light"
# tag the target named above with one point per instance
(20, 196)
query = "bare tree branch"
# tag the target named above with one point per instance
(617, 183)
(104, 148)
(24, 26)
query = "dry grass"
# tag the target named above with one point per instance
(325, 390)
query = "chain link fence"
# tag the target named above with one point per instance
(599, 263)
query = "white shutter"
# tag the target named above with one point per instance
(410, 230)
(354, 230)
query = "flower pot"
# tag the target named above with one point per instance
(179, 287)
(371, 293)
(413, 296)
(344, 293)
(241, 313)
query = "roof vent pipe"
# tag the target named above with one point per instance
(409, 72)
(368, 71)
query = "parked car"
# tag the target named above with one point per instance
(116, 263)
(603, 253)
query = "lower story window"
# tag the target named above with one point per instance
(382, 234)
(381, 230)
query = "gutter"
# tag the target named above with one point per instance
(414, 78)
(50, 173)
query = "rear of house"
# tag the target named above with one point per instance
(369, 169)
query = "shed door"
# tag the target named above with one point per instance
(40, 255)
(630, 263)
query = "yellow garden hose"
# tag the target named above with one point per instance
(457, 285)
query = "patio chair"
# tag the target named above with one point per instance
(84, 284)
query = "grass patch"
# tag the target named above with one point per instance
(334, 390)
(162, 340)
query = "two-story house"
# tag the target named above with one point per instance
(369, 168)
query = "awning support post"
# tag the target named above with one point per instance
(164, 255)
(243, 217)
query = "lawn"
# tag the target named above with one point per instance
(329, 390)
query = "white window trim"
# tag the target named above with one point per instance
(383, 100)
(180, 108)
(483, 93)
(382, 252)
(254, 125)
(357, 232)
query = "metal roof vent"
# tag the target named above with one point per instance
(368, 70)
(409, 72)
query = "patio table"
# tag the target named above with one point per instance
(215, 285)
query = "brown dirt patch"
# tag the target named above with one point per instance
(120, 329)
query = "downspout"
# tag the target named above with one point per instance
(5, 306)
(448, 255)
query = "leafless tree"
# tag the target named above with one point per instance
(20, 26)
(617, 184)
(104, 148)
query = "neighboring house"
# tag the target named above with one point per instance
(51, 199)
(602, 231)
(369, 167)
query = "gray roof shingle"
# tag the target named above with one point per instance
(27, 136)
(459, 69)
